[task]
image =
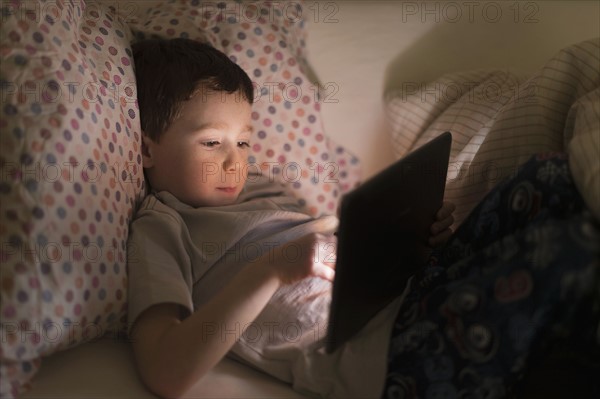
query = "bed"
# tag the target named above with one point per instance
(364, 82)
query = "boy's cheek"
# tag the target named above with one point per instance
(206, 171)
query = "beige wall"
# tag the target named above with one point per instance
(365, 47)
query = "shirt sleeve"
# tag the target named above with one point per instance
(159, 268)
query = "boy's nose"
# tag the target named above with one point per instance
(232, 161)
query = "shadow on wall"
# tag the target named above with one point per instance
(517, 36)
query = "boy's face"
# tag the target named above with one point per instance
(202, 158)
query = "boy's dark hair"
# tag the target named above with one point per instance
(169, 72)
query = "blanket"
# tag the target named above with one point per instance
(516, 290)
(513, 296)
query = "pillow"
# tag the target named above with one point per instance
(499, 119)
(583, 144)
(268, 41)
(71, 175)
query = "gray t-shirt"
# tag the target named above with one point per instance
(184, 255)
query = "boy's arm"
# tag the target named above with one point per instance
(172, 354)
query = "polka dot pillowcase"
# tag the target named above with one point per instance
(70, 162)
(71, 175)
(267, 39)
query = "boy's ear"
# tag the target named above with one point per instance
(147, 145)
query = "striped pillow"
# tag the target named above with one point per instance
(499, 119)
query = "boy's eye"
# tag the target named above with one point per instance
(243, 144)
(210, 143)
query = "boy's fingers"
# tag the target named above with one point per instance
(327, 251)
(324, 272)
(329, 261)
(440, 239)
(442, 225)
(446, 210)
(450, 205)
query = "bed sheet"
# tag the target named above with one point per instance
(104, 369)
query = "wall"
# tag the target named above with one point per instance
(359, 49)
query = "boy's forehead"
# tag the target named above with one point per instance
(248, 128)
(216, 113)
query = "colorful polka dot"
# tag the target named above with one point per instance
(53, 163)
(82, 136)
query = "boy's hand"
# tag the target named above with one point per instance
(302, 258)
(440, 229)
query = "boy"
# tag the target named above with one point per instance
(219, 265)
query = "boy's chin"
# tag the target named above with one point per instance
(229, 200)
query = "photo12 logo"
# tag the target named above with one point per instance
(36, 93)
(288, 172)
(264, 331)
(52, 333)
(470, 11)
(253, 11)
(34, 173)
(50, 254)
(53, 11)
(496, 91)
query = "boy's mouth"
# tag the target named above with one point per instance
(228, 190)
